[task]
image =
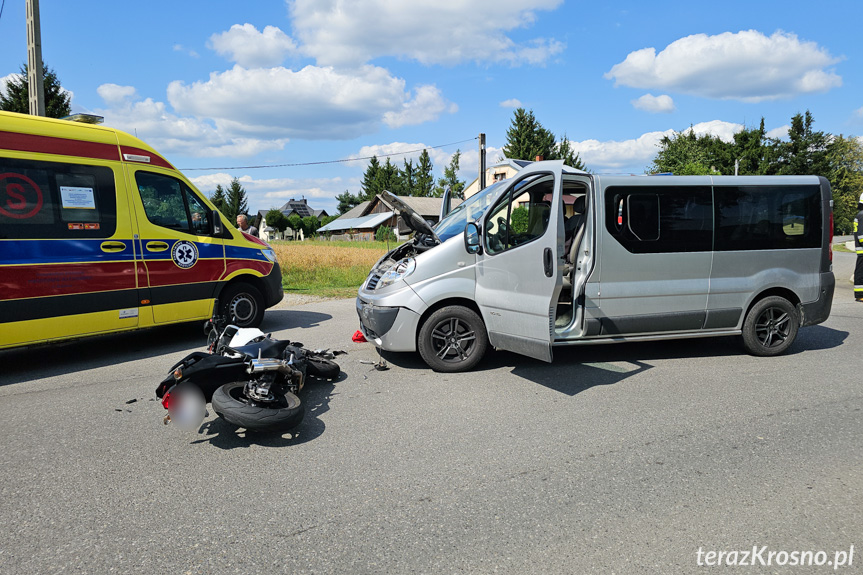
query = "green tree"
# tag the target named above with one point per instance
(310, 225)
(327, 219)
(386, 179)
(805, 152)
(569, 156)
(450, 180)
(17, 94)
(277, 220)
(385, 233)
(295, 222)
(749, 149)
(526, 138)
(218, 198)
(845, 157)
(407, 179)
(519, 218)
(424, 176)
(368, 188)
(347, 201)
(236, 202)
(683, 153)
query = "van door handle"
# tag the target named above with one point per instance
(156, 246)
(113, 247)
(547, 263)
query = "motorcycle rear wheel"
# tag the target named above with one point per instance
(230, 403)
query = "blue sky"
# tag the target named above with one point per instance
(226, 84)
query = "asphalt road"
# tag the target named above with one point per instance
(613, 459)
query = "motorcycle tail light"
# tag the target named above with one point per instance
(167, 400)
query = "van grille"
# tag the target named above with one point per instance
(373, 282)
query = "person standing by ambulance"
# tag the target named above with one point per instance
(858, 247)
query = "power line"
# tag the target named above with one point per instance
(3, 5)
(343, 161)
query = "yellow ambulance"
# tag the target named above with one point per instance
(99, 233)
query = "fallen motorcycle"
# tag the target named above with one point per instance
(251, 380)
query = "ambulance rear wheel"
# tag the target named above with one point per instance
(242, 304)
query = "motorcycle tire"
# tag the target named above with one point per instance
(230, 404)
(322, 368)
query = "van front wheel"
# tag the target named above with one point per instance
(242, 304)
(770, 326)
(453, 339)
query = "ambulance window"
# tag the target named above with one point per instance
(170, 203)
(53, 200)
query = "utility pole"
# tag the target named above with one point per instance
(36, 86)
(481, 162)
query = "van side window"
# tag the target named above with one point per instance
(767, 217)
(170, 203)
(53, 200)
(521, 217)
(660, 219)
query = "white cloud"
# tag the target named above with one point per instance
(511, 103)
(426, 106)
(114, 94)
(858, 113)
(184, 50)
(249, 48)
(401, 151)
(655, 104)
(635, 154)
(429, 31)
(5, 80)
(725, 130)
(780, 132)
(172, 134)
(312, 103)
(746, 66)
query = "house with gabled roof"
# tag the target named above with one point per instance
(299, 207)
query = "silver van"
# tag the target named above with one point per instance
(555, 256)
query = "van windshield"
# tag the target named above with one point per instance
(468, 211)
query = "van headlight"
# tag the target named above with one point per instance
(400, 271)
(270, 255)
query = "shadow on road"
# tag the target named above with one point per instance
(316, 396)
(49, 360)
(279, 319)
(578, 368)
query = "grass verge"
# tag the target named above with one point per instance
(327, 269)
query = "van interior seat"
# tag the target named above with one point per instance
(573, 233)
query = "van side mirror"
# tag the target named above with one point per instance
(472, 239)
(216, 229)
(446, 203)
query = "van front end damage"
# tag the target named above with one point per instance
(391, 322)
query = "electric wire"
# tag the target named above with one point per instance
(322, 162)
(3, 5)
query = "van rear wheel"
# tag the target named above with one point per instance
(242, 304)
(770, 326)
(453, 339)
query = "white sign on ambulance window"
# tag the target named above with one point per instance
(77, 198)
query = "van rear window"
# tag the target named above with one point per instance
(52, 200)
(767, 217)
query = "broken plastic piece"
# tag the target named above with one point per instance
(359, 337)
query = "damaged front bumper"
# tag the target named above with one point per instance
(391, 328)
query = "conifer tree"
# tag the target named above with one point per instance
(424, 177)
(16, 97)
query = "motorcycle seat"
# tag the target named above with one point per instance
(269, 348)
